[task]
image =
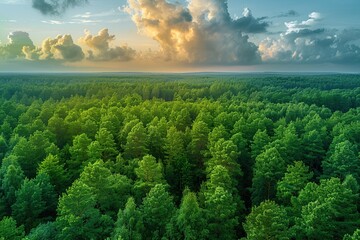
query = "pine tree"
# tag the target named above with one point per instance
(267, 221)
(129, 224)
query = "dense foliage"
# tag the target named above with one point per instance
(179, 157)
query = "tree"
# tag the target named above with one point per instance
(56, 171)
(342, 162)
(31, 152)
(197, 148)
(355, 236)
(136, 142)
(157, 130)
(129, 224)
(221, 214)
(325, 211)
(12, 181)
(77, 216)
(28, 205)
(79, 155)
(44, 231)
(157, 210)
(269, 168)
(260, 140)
(107, 144)
(177, 166)
(295, 179)
(111, 191)
(190, 223)
(224, 153)
(267, 221)
(9, 230)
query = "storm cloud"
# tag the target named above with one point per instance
(202, 32)
(100, 50)
(55, 7)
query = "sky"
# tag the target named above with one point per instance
(179, 36)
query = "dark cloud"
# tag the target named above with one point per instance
(202, 32)
(55, 7)
(100, 49)
(249, 24)
(290, 13)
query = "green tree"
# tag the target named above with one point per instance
(177, 166)
(157, 131)
(157, 210)
(221, 214)
(295, 179)
(56, 171)
(136, 142)
(268, 170)
(111, 191)
(355, 236)
(107, 144)
(129, 224)
(9, 230)
(189, 222)
(325, 211)
(260, 140)
(31, 152)
(342, 162)
(197, 149)
(28, 205)
(12, 181)
(77, 216)
(267, 221)
(79, 154)
(224, 153)
(44, 231)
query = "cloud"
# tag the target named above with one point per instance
(13, 49)
(100, 49)
(61, 48)
(290, 13)
(295, 26)
(249, 24)
(304, 42)
(55, 7)
(201, 32)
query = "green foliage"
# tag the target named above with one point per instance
(29, 204)
(136, 142)
(295, 179)
(267, 221)
(326, 211)
(110, 190)
(191, 151)
(56, 171)
(77, 216)
(9, 230)
(157, 210)
(129, 224)
(342, 162)
(269, 168)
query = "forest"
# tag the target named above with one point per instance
(179, 156)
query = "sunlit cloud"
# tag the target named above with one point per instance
(201, 32)
(100, 50)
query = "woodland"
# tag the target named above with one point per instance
(179, 156)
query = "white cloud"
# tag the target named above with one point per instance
(201, 32)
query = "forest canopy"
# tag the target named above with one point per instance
(202, 156)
